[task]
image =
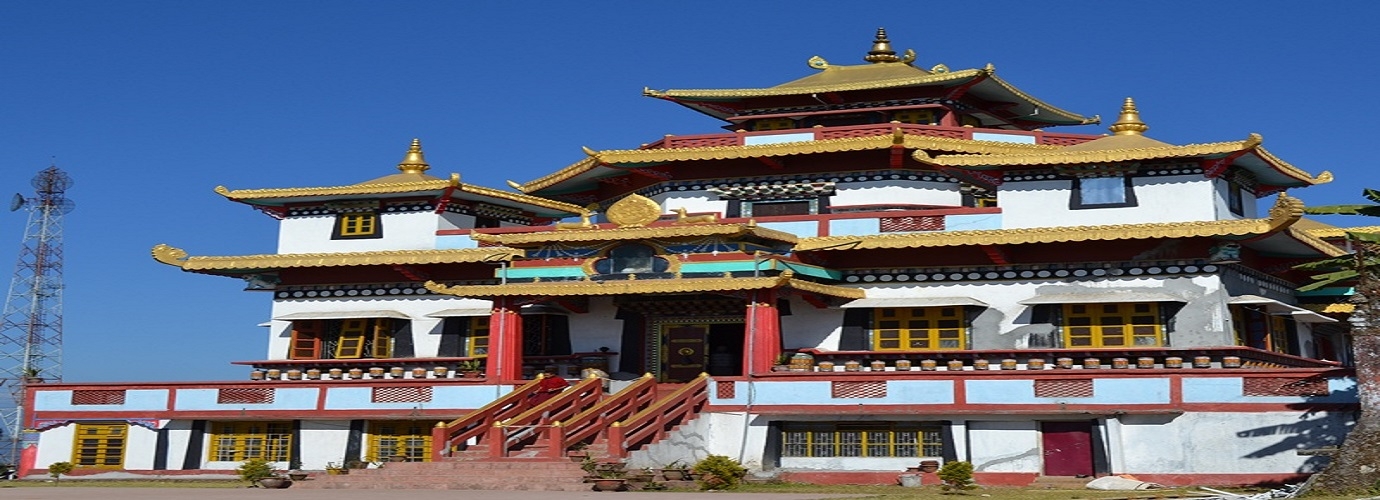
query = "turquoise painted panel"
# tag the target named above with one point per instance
(972, 222)
(1118, 391)
(854, 227)
(804, 229)
(778, 138)
(545, 272)
(898, 392)
(1001, 391)
(920, 392)
(457, 397)
(283, 399)
(1229, 390)
(135, 400)
(449, 242)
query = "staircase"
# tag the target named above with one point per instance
(508, 446)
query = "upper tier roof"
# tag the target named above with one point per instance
(885, 70)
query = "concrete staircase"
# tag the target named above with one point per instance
(459, 474)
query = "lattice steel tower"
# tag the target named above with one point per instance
(31, 333)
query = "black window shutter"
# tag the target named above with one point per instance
(854, 337)
(558, 334)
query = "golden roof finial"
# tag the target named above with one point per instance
(881, 49)
(1129, 122)
(414, 162)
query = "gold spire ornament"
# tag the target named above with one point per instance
(414, 162)
(1129, 122)
(881, 49)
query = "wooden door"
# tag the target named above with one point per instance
(1067, 448)
(683, 357)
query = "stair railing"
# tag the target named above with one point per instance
(535, 421)
(655, 421)
(445, 437)
(634, 398)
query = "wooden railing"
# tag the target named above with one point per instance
(655, 421)
(445, 437)
(534, 424)
(869, 130)
(586, 424)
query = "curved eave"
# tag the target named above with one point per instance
(1314, 243)
(279, 196)
(668, 155)
(1251, 156)
(636, 233)
(1286, 211)
(176, 257)
(1002, 89)
(1340, 232)
(635, 287)
(555, 208)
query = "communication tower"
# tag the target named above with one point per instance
(31, 331)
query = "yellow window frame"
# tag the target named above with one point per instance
(916, 116)
(919, 329)
(773, 124)
(383, 338)
(405, 438)
(100, 445)
(1127, 324)
(240, 441)
(358, 224)
(478, 344)
(871, 439)
(350, 343)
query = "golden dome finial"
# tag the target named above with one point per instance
(881, 49)
(414, 162)
(1129, 122)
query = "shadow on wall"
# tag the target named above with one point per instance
(1321, 425)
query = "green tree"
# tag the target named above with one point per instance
(57, 469)
(1351, 468)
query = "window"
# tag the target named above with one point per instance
(1260, 329)
(100, 445)
(773, 124)
(1102, 192)
(357, 225)
(1113, 325)
(342, 339)
(545, 334)
(1235, 199)
(478, 340)
(400, 438)
(918, 328)
(631, 259)
(240, 441)
(869, 439)
(917, 116)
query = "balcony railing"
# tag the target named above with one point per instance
(818, 133)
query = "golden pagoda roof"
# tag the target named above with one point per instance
(177, 257)
(898, 137)
(1329, 231)
(636, 233)
(635, 286)
(1286, 211)
(1333, 308)
(410, 179)
(884, 72)
(1315, 242)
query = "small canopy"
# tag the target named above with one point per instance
(342, 315)
(1106, 296)
(1277, 308)
(876, 302)
(461, 312)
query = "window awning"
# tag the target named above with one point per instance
(875, 302)
(1101, 297)
(1277, 308)
(461, 312)
(342, 315)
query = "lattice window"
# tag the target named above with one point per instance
(870, 439)
(870, 389)
(1284, 386)
(240, 441)
(98, 397)
(1063, 388)
(918, 328)
(1113, 325)
(725, 389)
(912, 223)
(410, 440)
(676, 142)
(100, 445)
(401, 395)
(244, 395)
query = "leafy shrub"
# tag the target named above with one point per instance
(718, 472)
(57, 469)
(254, 469)
(957, 476)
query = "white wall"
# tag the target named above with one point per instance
(401, 231)
(808, 326)
(57, 445)
(598, 328)
(692, 201)
(1045, 203)
(1004, 446)
(891, 192)
(1265, 442)
(323, 441)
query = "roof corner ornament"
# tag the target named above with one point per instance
(1252, 141)
(1325, 177)
(939, 68)
(513, 184)
(454, 179)
(817, 62)
(414, 162)
(1285, 211)
(169, 255)
(881, 50)
(1129, 122)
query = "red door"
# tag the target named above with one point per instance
(1067, 448)
(683, 357)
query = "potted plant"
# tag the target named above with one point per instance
(336, 469)
(469, 368)
(675, 471)
(783, 362)
(609, 479)
(578, 452)
(719, 472)
(57, 469)
(295, 472)
(259, 472)
(957, 476)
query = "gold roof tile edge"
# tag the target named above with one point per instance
(630, 287)
(632, 233)
(177, 257)
(524, 198)
(780, 149)
(399, 187)
(1306, 237)
(1339, 232)
(1041, 104)
(778, 90)
(1286, 211)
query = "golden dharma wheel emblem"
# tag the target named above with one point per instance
(686, 351)
(634, 210)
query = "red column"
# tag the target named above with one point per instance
(505, 341)
(762, 342)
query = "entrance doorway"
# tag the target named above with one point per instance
(691, 348)
(1068, 448)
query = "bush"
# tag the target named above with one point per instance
(957, 476)
(57, 469)
(254, 469)
(718, 472)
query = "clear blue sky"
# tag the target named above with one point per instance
(149, 105)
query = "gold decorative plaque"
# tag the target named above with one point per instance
(634, 210)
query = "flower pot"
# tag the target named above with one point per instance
(297, 475)
(673, 474)
(275, 482)
(331, 471)
(608, 484)
(929, 466)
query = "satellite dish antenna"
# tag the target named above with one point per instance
(16, 202)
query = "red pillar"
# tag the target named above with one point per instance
(762, 341)
(505, 341)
